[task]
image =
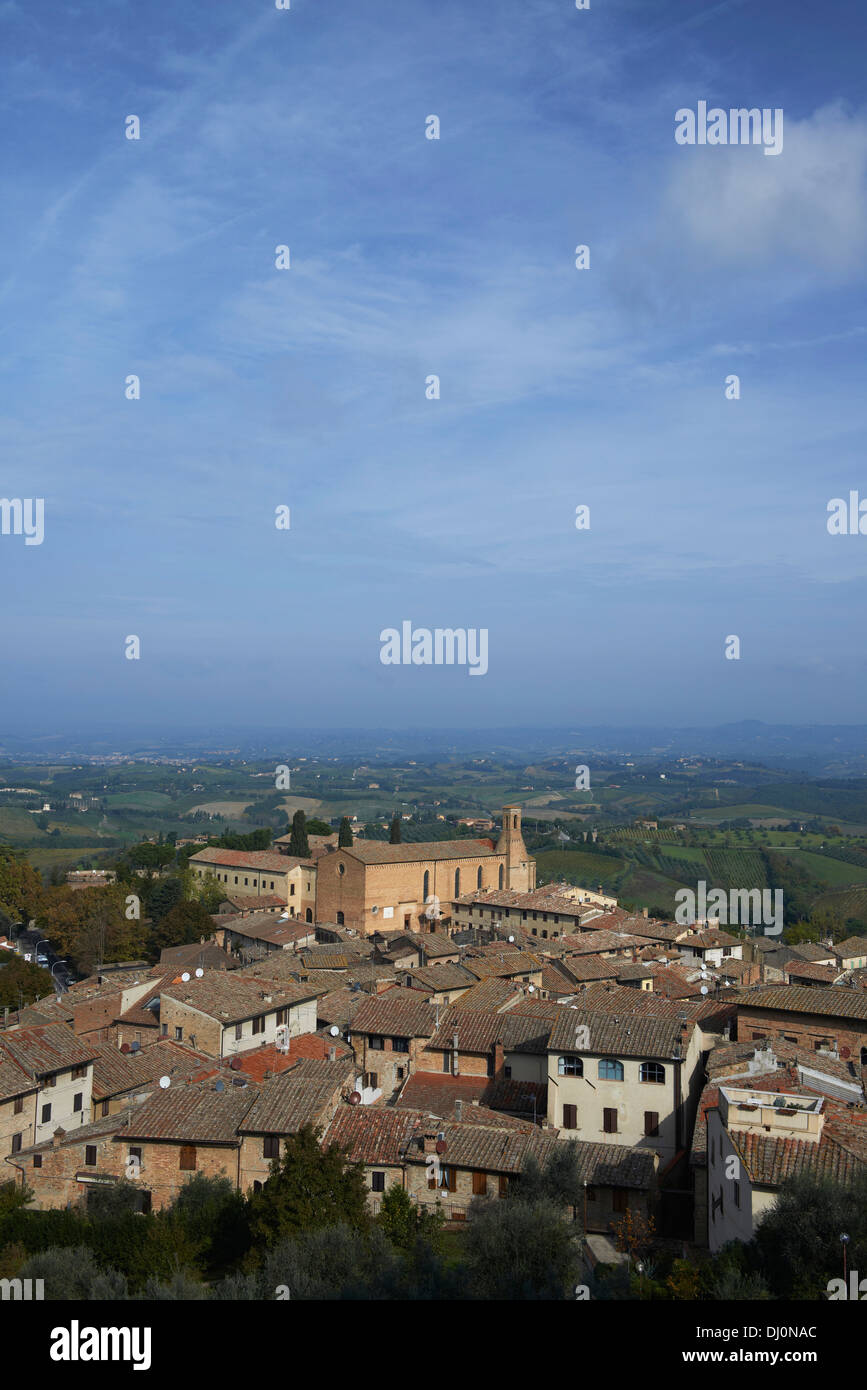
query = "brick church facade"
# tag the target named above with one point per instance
(373, 886)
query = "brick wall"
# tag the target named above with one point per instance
(806, 1030)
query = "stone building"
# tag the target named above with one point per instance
(824, 1020)
(374, 886)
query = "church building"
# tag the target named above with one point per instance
(373, 886)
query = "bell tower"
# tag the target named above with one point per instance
(520, 868)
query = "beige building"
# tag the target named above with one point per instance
(758, 1137)
(631, 1079)
(374, 886)
(261, 874)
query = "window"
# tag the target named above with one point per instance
(239, 1031)
(610, 1070)
(375, 1043)
(245, 882)
(236, 878)
(504, 1185)
(179, 1035)
(501, 877)
(400, 1044)
(457, 882)
(651, 1124)
(77, 1102)
(448, 1179)
(90, 1155)
(37, 1160)
(340, 915)
(447, 1062)
(507, 1072)
(259, 1024)
(737, 1193)
(399, 1071)
(609, 1120)
(188, 1158)
(50, 1081)
(18, 1106)
(78, 1073)
(103, 1110)
(371, 1080)
(377, 1182)
(480, 1184)
(164, 1030)
(135, 1156)
(570, 1116)
(271, 1146)
(292, 890)
(652, 1071)
(16, 1143)
(489, 1070)
(308, 915)
(620, 1199)
(570, 1066)
(479, 877)
(46, 1114)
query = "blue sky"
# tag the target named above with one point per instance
(411, 257)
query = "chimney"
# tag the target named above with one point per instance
(644, 912)
(332, 1054)
(499, 1061)
(459, 1110)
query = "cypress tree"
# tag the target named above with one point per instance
(344, 835)
(298, 844)
(394, 837)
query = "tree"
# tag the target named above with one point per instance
(406, 1222)
(394, 834)
(74, 1273)
(344, 834)
(21, 891)
(520, 1250)
(298, 844)
(184, 924)
(309, 1187)
(165, 896)
(22, 981)
(318, 827)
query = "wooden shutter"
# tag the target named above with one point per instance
(609, 1123)
(570, 1116)
(651, 1123)
(480, 1184)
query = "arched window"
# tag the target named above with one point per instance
(340, 919)
(457, 882)
(502, 876)
(308, 916)
(652, 1071)
(610, 1070)
(425, 892)
(570, 1066)
(479, 877)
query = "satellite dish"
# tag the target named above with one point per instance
(124, 1047)
(199, 973)
(845, 1052)
(165, 1082)
(185, 976)
(219, 1086)
(355, 1098)
(704, 989)
(235, 1064)
(441, 1146)
(334, 1031)
(511, 938)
